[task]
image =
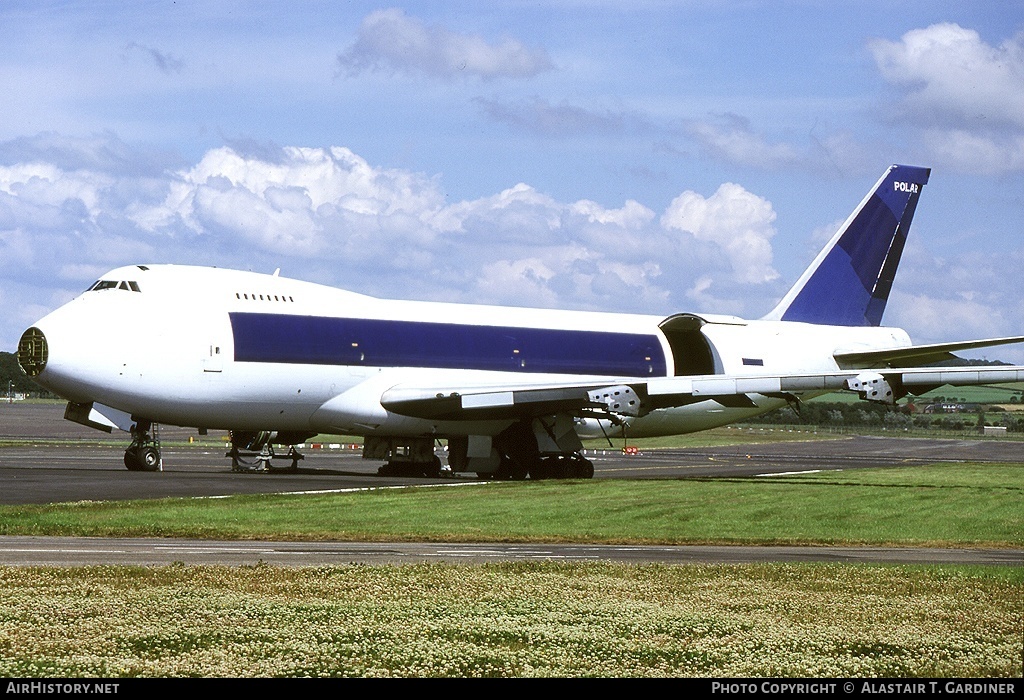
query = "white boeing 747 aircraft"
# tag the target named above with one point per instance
(513, 391)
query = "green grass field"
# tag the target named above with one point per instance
(940, 505)
(543, 619)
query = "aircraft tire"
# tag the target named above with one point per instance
(542, 469)
(131, 461)
(149, 459)
(585, 469)
(432, 469)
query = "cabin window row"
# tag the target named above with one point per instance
(263, 297)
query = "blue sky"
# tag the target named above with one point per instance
(634, 156)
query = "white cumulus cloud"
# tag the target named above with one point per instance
(290, 203)
(965, 95)
(732, 139)
(327, 215)
(949, 72)
(390, 39)
(734, 219)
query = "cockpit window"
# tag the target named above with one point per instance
(112, 284)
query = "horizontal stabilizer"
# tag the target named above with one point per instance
(915, 355)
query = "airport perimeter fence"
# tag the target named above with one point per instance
(964, 433)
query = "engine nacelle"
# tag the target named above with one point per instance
(620, 400)
(872, 386)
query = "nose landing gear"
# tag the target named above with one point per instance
(143, 455)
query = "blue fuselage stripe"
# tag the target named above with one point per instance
(323, 340)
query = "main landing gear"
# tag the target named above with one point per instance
(404, 456)
(572, 466)
(254, 452)
(430, 468)
(561, 466)
(143, 454)
(521, 457)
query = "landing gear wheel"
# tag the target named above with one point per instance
(254, 452)
(542, 468)
(131, 461)
(580, 467)
(518, 472)
(143, 455)
(431, 469)
(292, 455)
(572, 466)
(503, 472)
(149, 459)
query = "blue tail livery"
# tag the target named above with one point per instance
(849, 282)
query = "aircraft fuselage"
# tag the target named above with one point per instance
(232, 350)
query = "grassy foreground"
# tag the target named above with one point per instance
(543, 619)
(512, 620)
(938, 505)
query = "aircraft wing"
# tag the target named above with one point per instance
(496, 402)
(630, 396)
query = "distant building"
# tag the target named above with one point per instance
(945, 408)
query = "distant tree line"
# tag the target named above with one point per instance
(13, 379)
(964, 362)
(967, 416)
(874, 415)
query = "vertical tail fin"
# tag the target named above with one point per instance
(848, 283)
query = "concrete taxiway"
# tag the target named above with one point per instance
(94, 551)
(51, 460)
(46, 472)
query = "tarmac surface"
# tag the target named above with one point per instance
(50, 460)
(95, 551)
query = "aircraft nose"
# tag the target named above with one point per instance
(33, 352)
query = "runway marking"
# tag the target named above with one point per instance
(201, 548)
(351, 490)
(65, 551)
(537, 552)
(806, 471)
(467, 553)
